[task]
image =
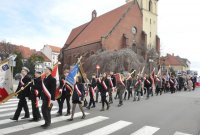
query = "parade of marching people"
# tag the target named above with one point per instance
(75, 88)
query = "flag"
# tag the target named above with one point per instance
(167, 76)
(71, 76)
(152, 78)
(159, 73)
(153, 72)
(55, 74)
(6, 88)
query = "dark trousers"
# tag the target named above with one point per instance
(121, 92)
(91, 102)
(22, 104)
(35, 110)
(61, 101)
(148, 92)
(46, 112)
(110, 95)
(158, 91)
(103, 98)
(97, 95)
(172, 89)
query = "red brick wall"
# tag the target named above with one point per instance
(132, 18)
(70, 56)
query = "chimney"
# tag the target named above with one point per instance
(94, 14)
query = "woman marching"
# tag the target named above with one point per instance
(77, 97)
(101, 84)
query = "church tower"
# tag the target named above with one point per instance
(149, 11)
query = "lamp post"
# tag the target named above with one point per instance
(97, 68)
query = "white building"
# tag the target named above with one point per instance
(52, 53)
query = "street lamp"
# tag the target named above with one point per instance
(97, 67)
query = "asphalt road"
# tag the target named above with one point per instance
(169, 114)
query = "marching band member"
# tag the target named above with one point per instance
(36, 89)
(92, 88)
(78, 97)
(66, 91)
(48, 96)
(22, 104)
(137, 88)
(121, 88)
(103, 90)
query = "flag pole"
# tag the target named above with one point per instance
(15, 93)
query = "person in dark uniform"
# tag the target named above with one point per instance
(77, 97)
(103, 90)
(92, 86)
(114, 87)
(172, 84)
(66, 95)
(121, 89)
(36, 89)
(22, 104)
(147, 85)
(47, 96)
(158, 82)
(128, 83)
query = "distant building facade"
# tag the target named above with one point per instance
(177, 63)
(123, 27)
(52, 52)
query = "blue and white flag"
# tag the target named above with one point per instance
(72, 74)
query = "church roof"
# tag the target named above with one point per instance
(98, 27)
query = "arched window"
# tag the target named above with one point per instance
(150, 5)
(134, 48)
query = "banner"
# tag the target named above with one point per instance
(55, 74)
(6, 85)
(71, 76)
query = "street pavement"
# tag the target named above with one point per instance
(168, 114)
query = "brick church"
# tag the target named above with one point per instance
(133, 25)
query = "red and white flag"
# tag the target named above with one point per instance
(55, 74)
(6, 85)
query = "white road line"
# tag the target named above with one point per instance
(180, 133)
(73, 126)
(5, 121)
(12, 113)
(10, 105)
(35, 124)
(110, 128)
(13, 99)
(146, 130)
(12, 108)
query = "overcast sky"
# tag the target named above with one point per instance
(34, 23)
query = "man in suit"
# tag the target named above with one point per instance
(36, 89)
(48, 96)
(22, 104)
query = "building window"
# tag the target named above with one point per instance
(134, 48)
(150, 21)
(150, 5)
(150, 34)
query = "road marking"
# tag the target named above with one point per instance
(73, 126)
(110, 128)
(10, 105)
(12, 113)
(5, 121)
(146, 130)
(25, 126)
(14, 108)
(180, 133)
